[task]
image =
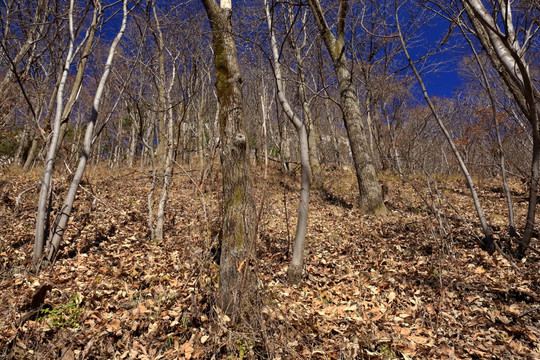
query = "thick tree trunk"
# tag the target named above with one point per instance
(31, 154)
(371, 200)
(237, 280)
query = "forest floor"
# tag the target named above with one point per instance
(404, 285)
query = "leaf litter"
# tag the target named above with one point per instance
(395, 286)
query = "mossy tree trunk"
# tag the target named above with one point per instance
(237, 280)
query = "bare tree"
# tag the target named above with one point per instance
(507, 48)
(295, 268)
(237, 281)
(81, 67)
(495, 119)
(488, 236)
(61, 221)
(371, 200)
(46, 180)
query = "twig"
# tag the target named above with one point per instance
(505, 256)
(200, 193)
(528, 312)
(18, 199)
(94, 196)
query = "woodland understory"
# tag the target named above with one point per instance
(410, 284)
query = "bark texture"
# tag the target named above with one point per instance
(371, 199)
(42, 217)
(237, 280)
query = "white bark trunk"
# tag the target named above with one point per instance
(62, 219)
(46, 180)
(295, 268)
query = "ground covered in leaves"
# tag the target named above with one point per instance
(411, 284)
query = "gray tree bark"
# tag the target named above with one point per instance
(42, 217)
(371, 200)
(295, 268)
(309, 120)
(165, 149)
(81, 66)
(499, 40)
(60, 224)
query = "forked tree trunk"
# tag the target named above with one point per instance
(295, 268)
(81, 66)
(61, 222)
(237, 278)
(371, 200)
(309, 120)
(42, 217)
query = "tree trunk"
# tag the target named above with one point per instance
(42, 217)
(132, 143)
(533, 194)
(309, 121)
(237, 278)
(32, 152)
(165, 148)
(511, 223)
(509, 57)
(284, 151)
(371, 200)
(168, 170)
(61, 222)
(77, 84)
(488, 244)
(295, 268)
